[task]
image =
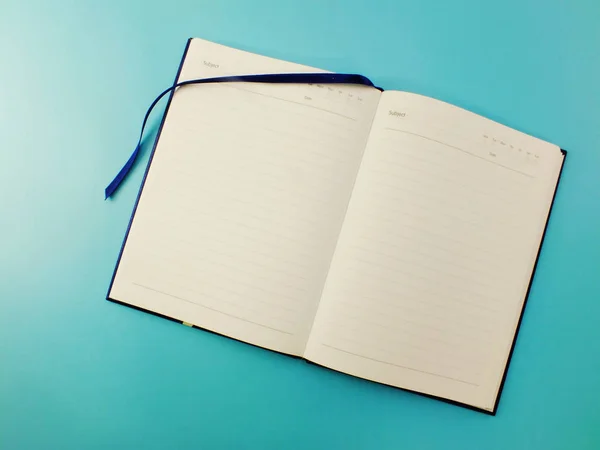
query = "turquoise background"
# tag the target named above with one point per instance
(77, 372)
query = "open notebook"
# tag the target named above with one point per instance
(386, 235)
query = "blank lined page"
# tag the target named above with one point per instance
(243, 203)
(433, 262)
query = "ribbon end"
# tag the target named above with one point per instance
(114, 184)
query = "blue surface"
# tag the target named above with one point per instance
(77, 372)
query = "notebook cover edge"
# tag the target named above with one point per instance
(537, 258)
(137, 200)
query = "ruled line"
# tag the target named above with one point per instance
(443, 168)
(419, 357)
(212, 309)
(369, 312)
(461, 150)
(396, 211)
(434, 256)
(209, 263)
(448, 318)
(289, 101)
(380, 328)
(400, 366)
(245, 305)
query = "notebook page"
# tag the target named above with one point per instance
(433, 262)
(244, 200)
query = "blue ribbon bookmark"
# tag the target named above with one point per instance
(279, 78)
